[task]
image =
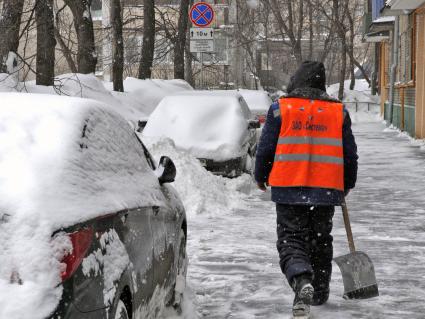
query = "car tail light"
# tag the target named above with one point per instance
(81, 241)
(262, 119)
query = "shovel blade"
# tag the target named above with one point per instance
(358, 275)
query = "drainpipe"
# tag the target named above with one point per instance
(394, 65)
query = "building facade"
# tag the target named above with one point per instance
(397, 27)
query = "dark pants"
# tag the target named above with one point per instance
(305, 242)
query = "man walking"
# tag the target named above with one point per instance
(308, 155)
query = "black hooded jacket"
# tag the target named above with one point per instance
(309, 83)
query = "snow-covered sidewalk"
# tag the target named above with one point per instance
(234, 271)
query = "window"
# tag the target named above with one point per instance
(406, 72)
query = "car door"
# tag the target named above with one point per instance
(165, 233)
(134, 228)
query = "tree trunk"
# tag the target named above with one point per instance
(65, 49)
(188, 74)
(311, 30)
(45, 62)
(343, 69)
(179, 46)
(10, 22)
(352, 35)
(148, 47)
(86, 57)
(117, 46)
(353, 76)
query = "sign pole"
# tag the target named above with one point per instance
(202, 70)
(202, 37)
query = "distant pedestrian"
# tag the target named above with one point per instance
(308, 155)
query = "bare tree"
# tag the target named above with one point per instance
(291, 26)
(83, 22)
(10, 22)
(148, 47)
(179, 46)
(117, 46)
(64, 47)
(45, 62)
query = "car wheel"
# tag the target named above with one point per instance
(180, 284)
(121, 311)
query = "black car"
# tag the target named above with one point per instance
(120, 225)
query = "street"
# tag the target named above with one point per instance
(234, 270)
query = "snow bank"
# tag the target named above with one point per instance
(362, 96)
(200, 190)
(145, 95)
(138, 101)
(361, 92)
(208, 126)
(63, 161)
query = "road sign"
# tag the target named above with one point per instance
(202, 15)
(201, 34)
(202, 46)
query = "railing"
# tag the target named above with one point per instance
(367, 105)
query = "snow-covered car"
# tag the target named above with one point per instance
(258, 102)
(89, 226)
(216, 128)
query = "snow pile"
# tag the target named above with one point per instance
(361, 92)
(145, 95)
(200, 190)
(63, 161)
(207, 126)
(361, 95)
(138, 101)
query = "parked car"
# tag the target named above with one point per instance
(116, 230)
(258, 102)
(217, 128)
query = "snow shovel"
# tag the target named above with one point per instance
(357, 269)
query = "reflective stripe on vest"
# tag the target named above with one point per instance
(310, 148)
(310, 140)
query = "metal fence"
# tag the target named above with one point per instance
(363, 106)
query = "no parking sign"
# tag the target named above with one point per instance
(202, 14)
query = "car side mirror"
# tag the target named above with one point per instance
(254, 124)
(166, 170)
(141, 125)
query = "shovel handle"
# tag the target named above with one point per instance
(348, 227)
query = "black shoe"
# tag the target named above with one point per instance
(320, 297)
(300, 309)
(303, 288)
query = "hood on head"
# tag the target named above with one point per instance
(310, 74)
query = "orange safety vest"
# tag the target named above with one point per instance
(310, 149)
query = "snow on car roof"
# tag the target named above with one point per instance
(63, 161)
(208, 125)
(49, 148)
(257, 100)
